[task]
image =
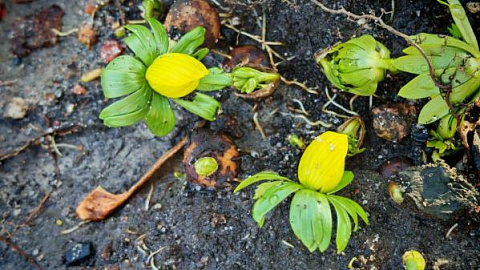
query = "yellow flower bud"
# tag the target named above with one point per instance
(322, 165)
(175, 75)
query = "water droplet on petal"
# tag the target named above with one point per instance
(273, 199)
(318, 139)
(332, 147)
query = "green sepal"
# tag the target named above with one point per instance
(216, 79)
(129, 110)
(189, 42)
(347, 178)
(271, 198)
(160, 36)
(261, 176)
(344, 225)
(160, 118)
(142, 43)
(202, 105)
(433, 110)
(325, 215)
(122, 76)
(352, 208)
(419, 87)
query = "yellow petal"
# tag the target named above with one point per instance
(321, 166)
(175, 74)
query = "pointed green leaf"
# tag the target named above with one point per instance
(461, 20)
(419, 87)
(261, 176)
(264, 187)
(129, 110)
(435, 39)
(416, 64)
(271, 198)
(202, 105)
(350, 211)
(344, 226)
(200, 54)
(353, 206)
(160, 35)
(347, 178)
(190, 41)
(216, 79)
(465, 90)
(142, 43)
(325, 215)
(433, 110)
(301, 217)
(122, 76)
(160, 119)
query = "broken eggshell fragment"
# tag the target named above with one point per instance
(185, 15)
(207, 144)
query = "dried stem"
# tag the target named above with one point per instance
(20, 251)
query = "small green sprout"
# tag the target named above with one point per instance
(151, 8)
(296, 141)
(354, 128)
(443, 141)
(413, 260)
(206, 166)
(356, 66)
(247, 79)
(321, 174)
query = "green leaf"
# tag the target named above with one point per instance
(441, 40)
(160, 35)
(325, 215)
(261, 176)
(304, 218)
(126, 108)
(350, 212)
(347, 178)
(455, 31)
(122, 76)
(464, 90)
(129, 110)
(160, 119)
(419, 87)
(216, 79)
(190, 41)
(344, 226)
(433, 110)
(200, 54)
(202, 105)
(416, 64)
(353, 206)
(142, 43)
(271, 198)
(461, 20)
(264, 187)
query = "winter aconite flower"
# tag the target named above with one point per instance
(175, 75)
(356, 66)
(321, 173)
(160, 71)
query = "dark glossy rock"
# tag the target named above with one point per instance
(78, 254)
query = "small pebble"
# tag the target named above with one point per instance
(79, 253)
(16, 109)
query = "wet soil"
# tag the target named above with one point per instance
(200, 228)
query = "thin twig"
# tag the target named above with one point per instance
(74, 228)
(20, 251)
(258, 126)
(37, 209)
(149, 197)
(332, 101)
(7, 83)
(302, 108)
(301, 85)
(64, 34)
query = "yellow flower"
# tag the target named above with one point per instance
(175, 75)
(322, 165)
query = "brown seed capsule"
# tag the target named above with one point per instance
(185, 15)
(244, 55)
(205, 143)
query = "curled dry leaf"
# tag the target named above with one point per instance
(220, 147)
(87, 35)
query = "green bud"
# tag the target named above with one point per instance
(296, 141)
(206, 166)
(120, 32)
(248, 79)
(413, 260)
(354, 127)
(356, 66)
(150, 7)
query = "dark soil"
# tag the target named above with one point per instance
(201, 228)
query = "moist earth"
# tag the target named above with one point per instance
(194, 227)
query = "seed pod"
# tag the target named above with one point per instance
(413, 260)
(185, 15)
(204, 149)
